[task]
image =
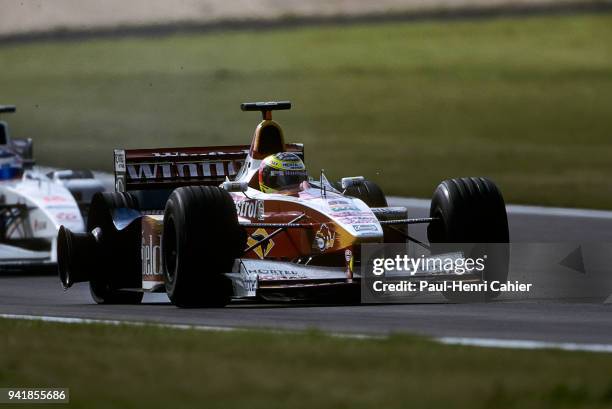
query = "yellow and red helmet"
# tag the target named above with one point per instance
(281, 171)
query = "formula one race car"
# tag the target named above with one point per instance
(35, 202)
(212, 224)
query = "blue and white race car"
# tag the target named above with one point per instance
(35, 202)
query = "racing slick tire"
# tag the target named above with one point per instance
(117, 264)
(369, 192)
(200, 241)
(472, 210)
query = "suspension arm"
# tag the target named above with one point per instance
(409, 221)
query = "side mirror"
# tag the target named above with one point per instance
(235, 187)
(352, 181)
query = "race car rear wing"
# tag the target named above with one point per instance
(143, 169)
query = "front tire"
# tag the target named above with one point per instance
(200, 241)
(369, 192)
(472, 210)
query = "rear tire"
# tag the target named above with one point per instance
(200, 241)
(118, 261)
(369, 192)
(472, 210)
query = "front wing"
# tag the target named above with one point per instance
(285, 281)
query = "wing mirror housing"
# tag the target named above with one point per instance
(235, 187)
(351, 181)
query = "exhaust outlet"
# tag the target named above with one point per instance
(75, 256)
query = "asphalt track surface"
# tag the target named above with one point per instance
(587, 321)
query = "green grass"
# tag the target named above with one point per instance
(526, 101)
(129, 367)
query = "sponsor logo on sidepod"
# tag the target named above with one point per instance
(250, 209)
(264, 248)
(325, 238)
(151, 256)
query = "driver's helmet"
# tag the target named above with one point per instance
(281, 172)
(11, 165)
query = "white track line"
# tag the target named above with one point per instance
(76, 320)
(515, 209)
(559, 211)
(476, 342)
(525, 344)
(211, 328)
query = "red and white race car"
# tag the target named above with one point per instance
(204, 226)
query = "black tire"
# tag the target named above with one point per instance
(472, 210)
(117, 264)
(200, 241)
(369, 192)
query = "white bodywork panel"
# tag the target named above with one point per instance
(50, 205)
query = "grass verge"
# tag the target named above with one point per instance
(125, 367)
(525, 101)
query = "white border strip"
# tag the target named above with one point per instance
(515, 209)
(211, 328)
(525, 344)
(476, 342)
(76, 320)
